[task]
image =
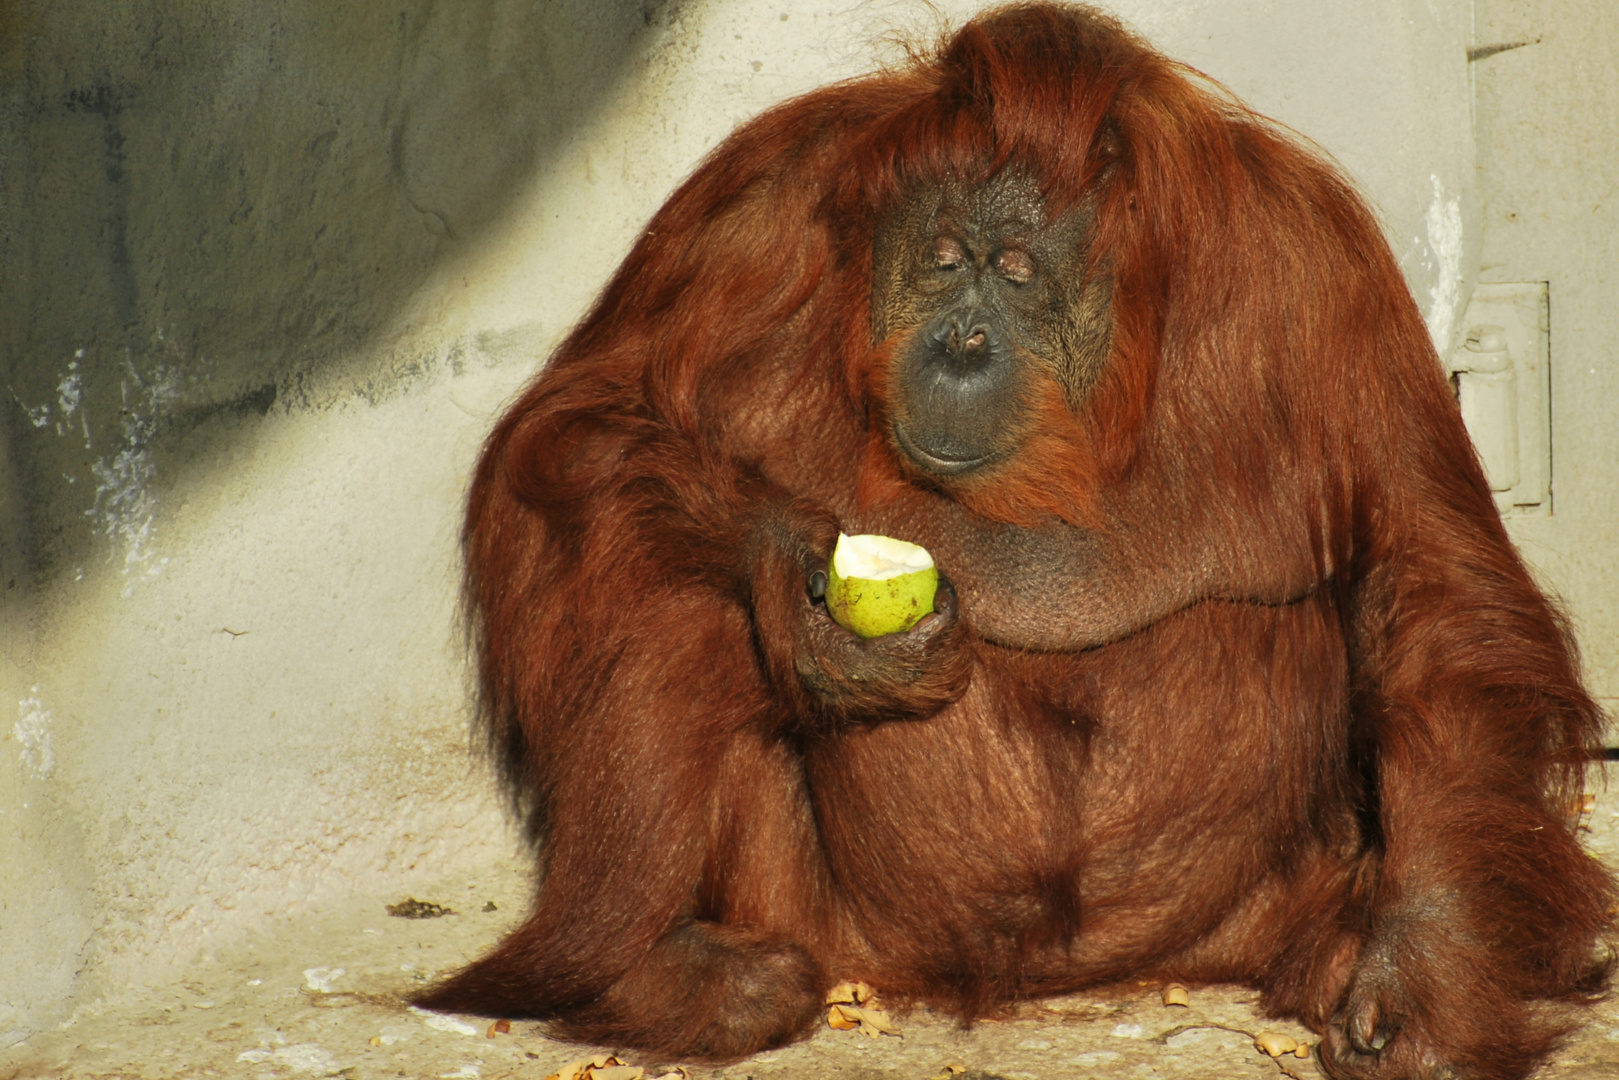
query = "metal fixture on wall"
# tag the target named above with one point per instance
(1502, 376)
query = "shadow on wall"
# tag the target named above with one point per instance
(208, 208)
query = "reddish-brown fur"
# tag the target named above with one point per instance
(1248, 684)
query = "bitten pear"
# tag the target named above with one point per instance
(878, 585)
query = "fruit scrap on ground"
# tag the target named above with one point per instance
(608, 1067)
(1276, 1044)
(855, 1005)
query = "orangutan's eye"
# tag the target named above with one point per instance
(1015, 266)
(948, 254)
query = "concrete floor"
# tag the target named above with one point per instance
(318, 995)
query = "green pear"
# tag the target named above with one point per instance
(877, 585)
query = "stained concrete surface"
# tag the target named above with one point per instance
(320, 995)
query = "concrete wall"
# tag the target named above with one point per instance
(270, 269)
(1548, 168)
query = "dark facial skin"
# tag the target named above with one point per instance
(984, 298)
(984, 295)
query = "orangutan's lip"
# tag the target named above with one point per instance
(933, 463)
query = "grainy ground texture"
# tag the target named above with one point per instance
(319, 996)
